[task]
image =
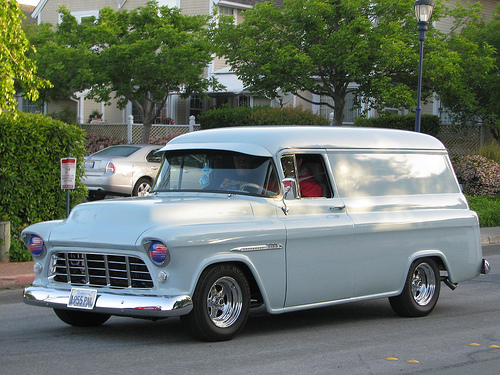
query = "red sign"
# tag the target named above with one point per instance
(68, 173)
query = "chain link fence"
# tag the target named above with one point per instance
(459, 140)
(120, 131)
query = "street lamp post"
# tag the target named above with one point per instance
(423, 12)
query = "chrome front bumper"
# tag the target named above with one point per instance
(146, 306)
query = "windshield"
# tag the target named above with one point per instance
(217, 171)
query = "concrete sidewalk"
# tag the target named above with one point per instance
(18, 275)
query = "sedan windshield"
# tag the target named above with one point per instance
(217, 171)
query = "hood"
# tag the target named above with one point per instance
(119, 223)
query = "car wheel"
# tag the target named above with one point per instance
(221, 303)
(421, 291)
(81, 318)
(95, 196)
(142, 187)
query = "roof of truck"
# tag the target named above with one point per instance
(268, 140)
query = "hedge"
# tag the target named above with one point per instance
(31, 146)
(248, 116)
(429, 124)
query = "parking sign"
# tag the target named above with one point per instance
(68, 172)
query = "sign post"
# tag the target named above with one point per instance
(68, 173)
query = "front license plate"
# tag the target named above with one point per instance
(82, 298)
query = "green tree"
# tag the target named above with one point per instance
(15, 65)
(476, 92)
(139, 56)
(335, 47)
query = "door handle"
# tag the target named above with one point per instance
(337, 208)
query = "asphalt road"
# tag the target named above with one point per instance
(461, 336)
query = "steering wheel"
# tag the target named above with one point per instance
(250, 187)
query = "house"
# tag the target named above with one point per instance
(180, 109)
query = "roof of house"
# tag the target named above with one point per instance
(27, 10)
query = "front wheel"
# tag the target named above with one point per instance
(421, 291)
(221, 303)
(81, 318)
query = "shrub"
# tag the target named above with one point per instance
(95, 142)
(477, 174)
(162, 141)
(285, 116)
(430, 123)
(224, 117)
(65, 115)
(247, 116)
(30, 188)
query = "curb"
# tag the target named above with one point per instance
(16, 282)
(491, 240)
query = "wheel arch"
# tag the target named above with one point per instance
(149, 178)
(437, 256)
(256, 295)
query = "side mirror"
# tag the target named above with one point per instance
(289, 188)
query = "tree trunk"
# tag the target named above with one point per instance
(338, 112)
(146, 132)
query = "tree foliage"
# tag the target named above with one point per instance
(139, 56)
(335, 47)
(476, 92)
(15, 65)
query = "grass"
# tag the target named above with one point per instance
(487, 208)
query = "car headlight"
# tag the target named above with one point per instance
(36, 246)
(158, 252)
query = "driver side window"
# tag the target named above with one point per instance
(309, 172)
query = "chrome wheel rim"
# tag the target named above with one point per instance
(224, 302)
(143, 189)
(423, 284)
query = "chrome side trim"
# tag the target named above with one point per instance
(269, 246)
(114, 304)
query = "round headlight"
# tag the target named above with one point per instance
(35, 245)
(158, 253)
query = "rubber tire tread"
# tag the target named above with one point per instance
(404, 304)
(81, 318)
(198, 323)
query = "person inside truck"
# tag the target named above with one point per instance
(309, 188)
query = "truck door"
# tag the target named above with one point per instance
(319, 234)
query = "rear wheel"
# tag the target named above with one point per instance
(221, 303)
(81, 318)
(421, 291)
(142, 187)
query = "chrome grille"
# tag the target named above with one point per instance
(110, 270)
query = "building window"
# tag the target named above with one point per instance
(87, 16)
(30, 107)
(169, 3)
(195, 105)
(229, 12)
(243, 101)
